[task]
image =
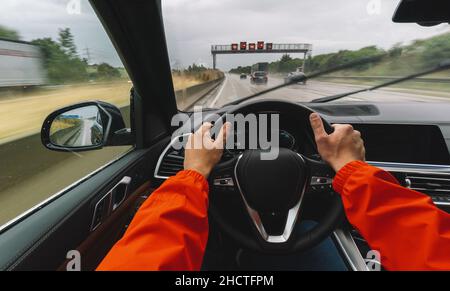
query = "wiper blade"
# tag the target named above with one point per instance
(445, 65)
(301, 78)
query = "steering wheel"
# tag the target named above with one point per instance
(259, 202)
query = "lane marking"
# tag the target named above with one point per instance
(216, 99)
(233, 86)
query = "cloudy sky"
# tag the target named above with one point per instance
(42, 18)
(193, 25)
(330, 25)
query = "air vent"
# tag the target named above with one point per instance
(437, 186)
(171, 164)
(172, 160)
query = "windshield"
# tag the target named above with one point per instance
(212, 43)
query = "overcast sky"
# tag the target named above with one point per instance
(192, 26)
(42, 18)
(330, 25)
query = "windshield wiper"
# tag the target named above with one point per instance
(301, 78)
(444, 65)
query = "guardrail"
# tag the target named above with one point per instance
(186, 98)
(388, 78)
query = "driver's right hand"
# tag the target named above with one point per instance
(343, 146)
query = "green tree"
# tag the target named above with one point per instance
(8, 33)
(63, 66)
(67, 42)
(107, 72)
(241, 70)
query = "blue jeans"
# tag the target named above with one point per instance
(323, 257)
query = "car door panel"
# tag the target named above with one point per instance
(102, 239)
(42, 240)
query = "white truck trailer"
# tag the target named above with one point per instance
(21, 65)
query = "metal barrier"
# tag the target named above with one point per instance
(186, 98)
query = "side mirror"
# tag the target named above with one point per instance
(84, 127)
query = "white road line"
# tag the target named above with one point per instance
(233, 86)
(85, 134)
(213, 103)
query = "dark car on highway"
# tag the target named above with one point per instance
(292, 75)
(259, 78)
(243, 76)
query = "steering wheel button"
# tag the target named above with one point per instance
(225, 182)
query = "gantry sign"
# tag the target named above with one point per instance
(260, 48)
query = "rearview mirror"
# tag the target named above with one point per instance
(85, 126)
(423, 12)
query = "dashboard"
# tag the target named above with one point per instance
(404, 143)
(411, 144)
(398, 143)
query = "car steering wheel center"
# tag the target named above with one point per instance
(272, 191)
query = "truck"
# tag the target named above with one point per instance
(259, 74)
(21, 65)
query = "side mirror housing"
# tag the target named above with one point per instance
(84, 127)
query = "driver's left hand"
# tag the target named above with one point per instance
(202, 152)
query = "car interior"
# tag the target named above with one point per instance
(412, 142)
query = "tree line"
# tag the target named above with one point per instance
(400, 59)
(198, 72)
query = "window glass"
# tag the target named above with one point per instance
(287, 38)
(53, 53)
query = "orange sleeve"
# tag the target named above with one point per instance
(408, 230)
(169, 232)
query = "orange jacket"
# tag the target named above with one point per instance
(170, 231)
(408, 230)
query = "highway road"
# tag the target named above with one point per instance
(233, 87)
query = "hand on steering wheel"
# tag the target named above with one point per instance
(202, 152)
(343, 146)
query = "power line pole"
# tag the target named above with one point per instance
(88, 54)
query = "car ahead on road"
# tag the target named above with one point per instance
(243, 76)
(259, 78)
(75, 228)
(293, 75)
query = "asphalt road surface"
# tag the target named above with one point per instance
(85, 136)
(233, 88)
